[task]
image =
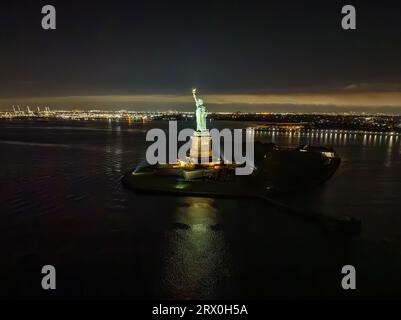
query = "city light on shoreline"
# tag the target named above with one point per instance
(260, 121)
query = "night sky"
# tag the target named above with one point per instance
(146, 54)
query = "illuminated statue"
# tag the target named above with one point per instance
(201, 113)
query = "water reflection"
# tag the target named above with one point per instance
(196, 255)
(69, 183)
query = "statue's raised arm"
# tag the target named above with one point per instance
(195, 98)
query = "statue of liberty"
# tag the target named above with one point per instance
(201, 113)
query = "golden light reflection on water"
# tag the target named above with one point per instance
(196, 256)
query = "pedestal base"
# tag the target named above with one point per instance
(201, 148)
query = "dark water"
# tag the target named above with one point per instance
(62, 203)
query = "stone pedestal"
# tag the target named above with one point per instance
(201, 148)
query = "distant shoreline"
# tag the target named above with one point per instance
(260, 122)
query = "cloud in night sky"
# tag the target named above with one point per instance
(245, 56)
(358, 97)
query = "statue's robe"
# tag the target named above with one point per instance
(200, 118)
